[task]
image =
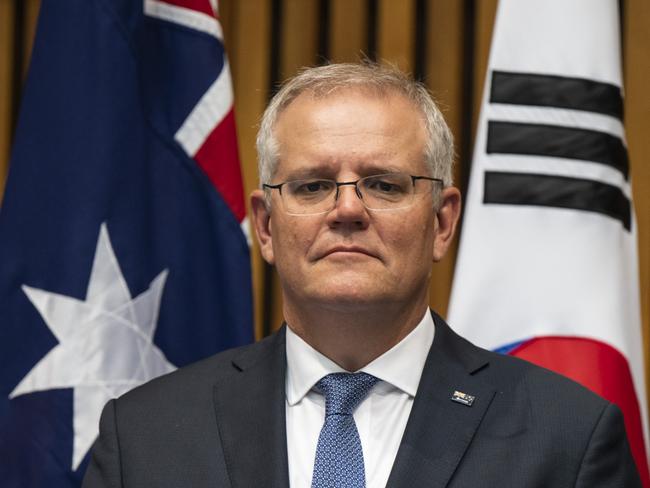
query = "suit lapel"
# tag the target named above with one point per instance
(440, 430)
(250, 410)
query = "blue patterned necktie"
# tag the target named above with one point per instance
(339, 458)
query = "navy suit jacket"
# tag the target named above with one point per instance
(221, 423)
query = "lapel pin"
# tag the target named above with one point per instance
(464, 398)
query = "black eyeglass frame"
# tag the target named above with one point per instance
(339, 184)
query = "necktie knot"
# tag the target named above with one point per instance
(344, 391)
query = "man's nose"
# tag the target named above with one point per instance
(349, 207)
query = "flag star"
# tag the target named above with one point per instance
(105, 343)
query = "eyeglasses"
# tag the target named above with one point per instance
(390, 191)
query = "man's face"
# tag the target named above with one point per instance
(350, 257)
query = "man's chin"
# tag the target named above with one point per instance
(348, 296)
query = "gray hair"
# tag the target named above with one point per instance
(323, 80)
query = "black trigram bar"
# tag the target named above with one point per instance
(557, 141)
(557, 191)
(556, 91)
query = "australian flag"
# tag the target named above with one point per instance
(123, 248)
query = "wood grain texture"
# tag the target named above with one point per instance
(7, 100)
(299, 36)
(637, 121)
(443, 77)
(484, 22)
(396, 33)
(32, 8)
(348, 30)
(248, 34)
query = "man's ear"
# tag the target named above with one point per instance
(447, 217)
(262, 223)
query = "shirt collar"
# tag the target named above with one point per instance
(401, 366)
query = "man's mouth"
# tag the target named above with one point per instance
(348, 250)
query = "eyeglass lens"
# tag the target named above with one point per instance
(377, 192)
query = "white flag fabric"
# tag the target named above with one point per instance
(547, 267)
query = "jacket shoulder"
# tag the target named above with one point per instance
(194, 382)
(554, 431)
(541, 383)
(507, 373)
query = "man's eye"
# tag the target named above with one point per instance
(383, 186)
(312, 187)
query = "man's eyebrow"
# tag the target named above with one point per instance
(329, 171)
(321, 171)
(379, 169)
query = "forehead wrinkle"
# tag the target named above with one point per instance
(317, 171)
(327, 141)
(313, 121)
(347, 144)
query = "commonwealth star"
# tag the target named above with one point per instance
(105, 343)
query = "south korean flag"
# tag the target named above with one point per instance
(547, 268)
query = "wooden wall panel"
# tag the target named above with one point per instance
(247, 31)
(637, 119)
(6, 85)
(348, 39)
(443, 76)
(484, 21)
(32, 8)
(18, 20)
(395, 33)
(300, 28)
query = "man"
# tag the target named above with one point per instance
(356, 204)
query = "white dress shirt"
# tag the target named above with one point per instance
(381, 418)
